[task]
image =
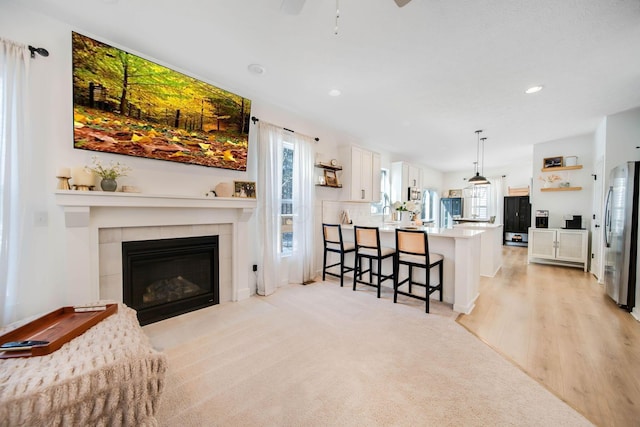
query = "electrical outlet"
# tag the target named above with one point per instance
(255, 267)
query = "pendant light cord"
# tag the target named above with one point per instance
(478, 150)
(337, 16)
(482, 171)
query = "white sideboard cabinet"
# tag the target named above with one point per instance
(559, 246)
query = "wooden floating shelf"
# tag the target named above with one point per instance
(330, 186)
(330, 167)
(562, 189)
(561, 168)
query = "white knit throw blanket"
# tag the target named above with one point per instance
(108, 376)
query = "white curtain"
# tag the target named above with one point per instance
(269, 190)
(301, 261)
(14, 68)
(299, 268)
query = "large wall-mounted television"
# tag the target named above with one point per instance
(128, 105)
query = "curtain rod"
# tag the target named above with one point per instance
(254, 119)
(39, 50)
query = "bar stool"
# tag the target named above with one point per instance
(368, 246)
(332, 236)
(412, 250)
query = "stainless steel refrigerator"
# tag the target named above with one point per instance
(621, 234)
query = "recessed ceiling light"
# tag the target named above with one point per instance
(334, 92)
(256, 69)
(534, 89)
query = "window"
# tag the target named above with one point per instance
(429, 206)
(286, 203)
(385, 191)
(480, 201)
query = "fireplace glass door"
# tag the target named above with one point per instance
(166, 277)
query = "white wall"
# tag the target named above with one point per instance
(49, 134)
(622, 138)
(563, 203)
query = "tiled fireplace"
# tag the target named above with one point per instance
(98, 222)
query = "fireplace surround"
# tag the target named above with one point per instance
(96, 223)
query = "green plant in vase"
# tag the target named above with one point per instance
(109, 174)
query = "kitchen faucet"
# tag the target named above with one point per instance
(386, 209)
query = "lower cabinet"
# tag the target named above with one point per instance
(559, 246)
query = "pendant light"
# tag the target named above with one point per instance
(479, 179)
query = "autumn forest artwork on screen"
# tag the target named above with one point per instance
(125, 104)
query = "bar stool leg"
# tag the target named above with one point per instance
(357, 272)
(428, 282)
(324, 265)
(441, 282)
(379, 262)
(396, 270)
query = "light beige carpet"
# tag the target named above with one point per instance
(327, 356)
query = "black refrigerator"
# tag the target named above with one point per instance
(621, 234)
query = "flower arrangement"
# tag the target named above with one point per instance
(409, 206)
(113, 171)
(550, 178)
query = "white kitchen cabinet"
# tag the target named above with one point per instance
(559, 246)
(363, 181)
(404, 176)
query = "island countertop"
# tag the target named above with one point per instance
(477, 225)
(432, 231)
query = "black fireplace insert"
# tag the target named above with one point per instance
(167, 277)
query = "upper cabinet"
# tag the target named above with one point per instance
(363, 177)
(404, 177)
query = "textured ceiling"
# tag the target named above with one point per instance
(416, 81)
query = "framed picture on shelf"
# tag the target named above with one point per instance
(330, 178)
(244, 189)
(552, 162)
(455, 193)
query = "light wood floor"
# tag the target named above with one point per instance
(559, 326)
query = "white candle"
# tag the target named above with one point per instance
(82, 177)
(64, 172)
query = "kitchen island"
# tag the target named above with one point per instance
(461, 267)
(490, 245)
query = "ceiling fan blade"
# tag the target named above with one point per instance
(292, 7)
(401, 3)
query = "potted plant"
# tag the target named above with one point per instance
(405, 211)
(109, 174)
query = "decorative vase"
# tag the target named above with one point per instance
(406, 218)
(547, 184)
(108, 184)
(224, 189)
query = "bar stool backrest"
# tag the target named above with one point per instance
(367, 237)
(332, 233)
(412, 242)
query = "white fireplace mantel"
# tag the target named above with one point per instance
(86, 212)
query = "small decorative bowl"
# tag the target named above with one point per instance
(565, 184)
